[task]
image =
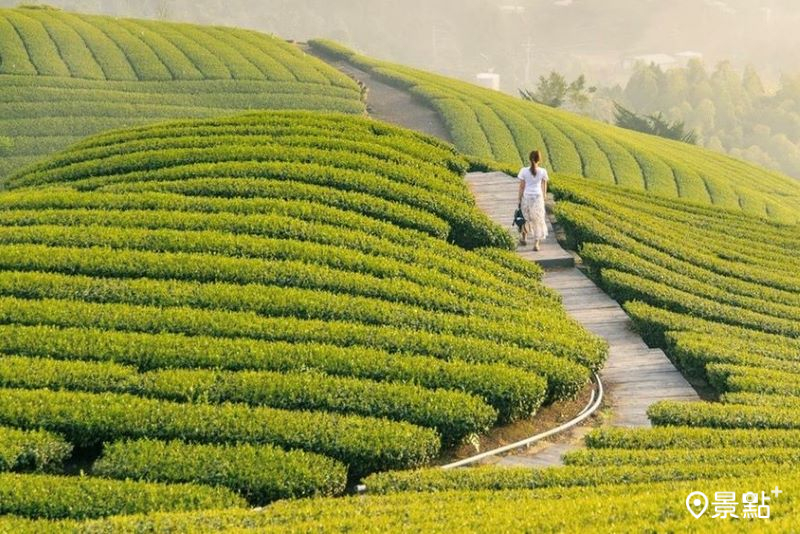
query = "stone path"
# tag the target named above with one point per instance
(635, 375)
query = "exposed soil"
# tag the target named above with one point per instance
(548, 417)
(390, 104)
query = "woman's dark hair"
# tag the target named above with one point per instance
(535, 157)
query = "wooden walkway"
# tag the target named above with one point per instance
(634, 376)
(496, 195)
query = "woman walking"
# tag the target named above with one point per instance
(532, 191)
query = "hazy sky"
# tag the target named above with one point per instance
(520, 39)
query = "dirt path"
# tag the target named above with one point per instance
(393, 105)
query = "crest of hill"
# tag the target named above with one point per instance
(64, 76)
(497, 127)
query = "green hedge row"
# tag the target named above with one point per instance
(606, 257)
(459, 265)
(363, 152)
(408, 278)
(37, 450)
(64, 44)
(395, 179)
(761, 238)
(686, 457)
(306, 219)
(685, 437)
(207, 268)
(41, 49)
(424, 148)
(35, 373)
(80, 497)
(16, 59)
(349, 170)
(638, 507)
(564, 377)
(509, 478)
(260, 473)
(365, 444)
(72, 103)
(255, 213)
(654, 323)
(625, 287)
(408, 148)
(513, 392)
(761, 399)
(695, 350)
(586, 224)
(732, 378)
(257, 189)
(276, 301)
(715, 415)
(241, 94)
(454, 414)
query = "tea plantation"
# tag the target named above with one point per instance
(214, 313)
(719, 291)
(272, 303)
(64, 76)
(715, 288)
(493, 126)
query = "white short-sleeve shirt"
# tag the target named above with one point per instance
(533, 184)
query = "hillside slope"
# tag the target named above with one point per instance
(494, 126)
(279, 280)
(721, 293)
(64, 76)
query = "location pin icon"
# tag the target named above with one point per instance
(697, 503)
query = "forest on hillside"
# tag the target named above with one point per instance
(730, 110)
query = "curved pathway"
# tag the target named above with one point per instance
(635, 375)
(389, 104)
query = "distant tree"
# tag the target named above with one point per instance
(643, 90)
(654, 124)
(550, 91)
(578, 93)
(675, 87)
(752, 82)
(703, 117)
(554, 91)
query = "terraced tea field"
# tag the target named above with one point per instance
(64, 76)
(704, 283)
(210, 314)
(719, 291)
(280, 295)
(493, 126)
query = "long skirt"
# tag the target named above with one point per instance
(535, 223)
